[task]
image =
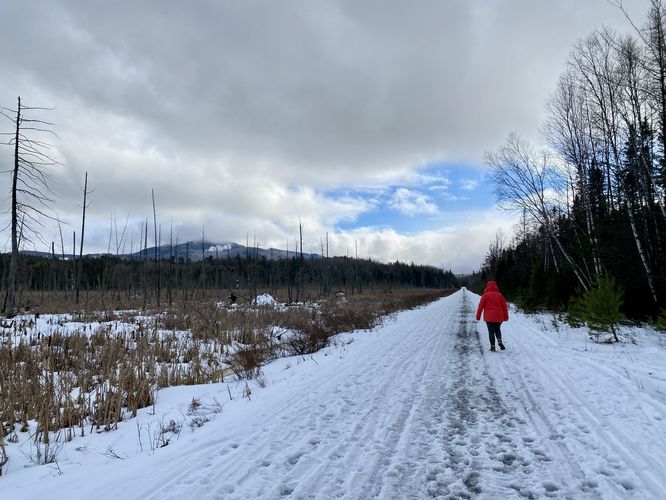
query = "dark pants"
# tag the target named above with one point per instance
(494, 332)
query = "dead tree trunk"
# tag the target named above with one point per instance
(11, 285)
(30, 192)
(301, 286)
(83, 227)
(157, 250)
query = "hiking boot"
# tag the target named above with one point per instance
(492, 348)
(501, 345)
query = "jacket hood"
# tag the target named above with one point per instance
(491, 286)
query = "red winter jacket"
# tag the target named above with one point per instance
(494, 305)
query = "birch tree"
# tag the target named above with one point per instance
(525, 179)
(568, 132)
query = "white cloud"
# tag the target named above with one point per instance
(459, 246)
(469, 184)
(411, 203)
(452, 197)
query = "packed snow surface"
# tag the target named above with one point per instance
(417, 408)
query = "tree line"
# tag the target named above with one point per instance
(164, 281)
(593, 202)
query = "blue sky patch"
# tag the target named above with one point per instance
(425, 200)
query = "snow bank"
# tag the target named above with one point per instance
(265, 299)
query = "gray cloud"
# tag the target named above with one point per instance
(242, 114)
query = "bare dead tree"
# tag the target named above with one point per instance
(31, 195)
(145, 265)
(77, 266)
(203, 263)
(171, 264)
(120, 236)
(301, 286)
(157, 251)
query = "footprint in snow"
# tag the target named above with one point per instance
(472, 482)
(508, 458)
(227, 489)
(523, 492)
(627, 485)
(286, 490)
(588, 486)
(293, 459)
(541, 455)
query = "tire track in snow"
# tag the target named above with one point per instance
(614, 438)
(657, 405)
(550, 439)
(370, 441)
(544, 438)
(580, 425)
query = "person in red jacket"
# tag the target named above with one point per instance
(495, 310)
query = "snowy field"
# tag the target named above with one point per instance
(416, 408)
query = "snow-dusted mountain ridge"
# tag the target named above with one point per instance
(198, 250)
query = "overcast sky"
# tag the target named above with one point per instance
(364, 119)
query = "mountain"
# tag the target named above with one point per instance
(197, 250)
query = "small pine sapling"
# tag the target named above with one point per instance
(660, 324)
(600, 307)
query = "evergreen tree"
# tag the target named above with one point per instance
(599, 307)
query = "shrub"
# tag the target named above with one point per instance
(575, 312)
(660, 324)
(599, 307)
(246, 361)
(308, 342)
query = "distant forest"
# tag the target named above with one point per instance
(166, 280)
(593, 203)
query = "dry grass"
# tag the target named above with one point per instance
(87, 377)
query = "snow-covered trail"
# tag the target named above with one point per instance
(417, 409)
